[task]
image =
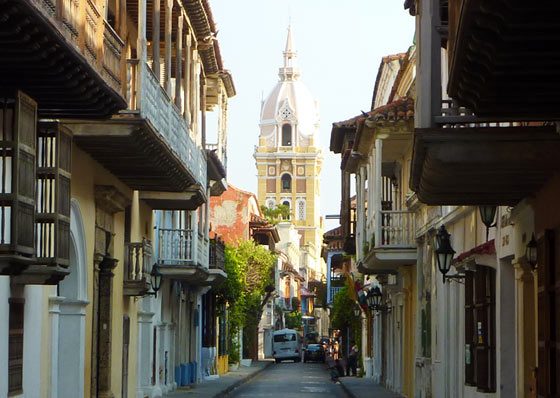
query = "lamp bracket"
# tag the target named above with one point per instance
(455, 277)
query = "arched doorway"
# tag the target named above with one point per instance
(72, 319)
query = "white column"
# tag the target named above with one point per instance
(145, 343)
(71, 335)
(54, 312)
(378, 191)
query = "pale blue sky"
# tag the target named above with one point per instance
(339, 45)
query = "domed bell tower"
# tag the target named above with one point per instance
(288, 162)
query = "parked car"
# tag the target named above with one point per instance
(314, 352)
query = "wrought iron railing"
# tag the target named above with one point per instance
(217, 254)
(175, 246)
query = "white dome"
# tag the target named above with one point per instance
(290, 100)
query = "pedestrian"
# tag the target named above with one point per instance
(352, 362)
(336, 350)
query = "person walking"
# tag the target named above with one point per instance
(352, 362)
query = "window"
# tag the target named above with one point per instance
(15, 348)
(480, 336)
(301, 209)
(287, 204)
(271, 203)
(287, 135)
(286, 183)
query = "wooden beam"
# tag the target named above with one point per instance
(179, 60)
(155, 38)
(186, 75)
(168, 28)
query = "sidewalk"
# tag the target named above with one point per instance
(223, 385)
(365, 387)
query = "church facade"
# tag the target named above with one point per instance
(289, 161)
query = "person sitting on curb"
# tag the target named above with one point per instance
(334, 372)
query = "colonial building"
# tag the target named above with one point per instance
(103, 137)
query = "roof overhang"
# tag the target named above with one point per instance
(503, 58)
(489, 165)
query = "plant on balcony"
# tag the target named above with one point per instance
(276, 214)
(248, 268)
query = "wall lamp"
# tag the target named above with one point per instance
(444, 254)
(531, 252)
(488, 214)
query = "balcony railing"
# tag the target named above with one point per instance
(217, 254)
(334, 291)
(176, 246)
(147, 97)
(138, 260)
(85, 27)
(397, 229)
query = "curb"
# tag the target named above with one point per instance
(349, 393)
(239, 383)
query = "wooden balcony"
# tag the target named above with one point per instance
(178, 256)
(503, 58)
(216, 169)
(62, 54)
(138, 262)
(470, 160)
(149, 147)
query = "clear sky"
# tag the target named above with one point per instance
(339, 43)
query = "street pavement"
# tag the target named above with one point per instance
(267, 379)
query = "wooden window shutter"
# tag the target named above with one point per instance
(54, 157)
(546, 362)
(470, 330)
(15, 347)
(18, 130)
(485, 366)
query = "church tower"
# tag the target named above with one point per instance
(288, 162)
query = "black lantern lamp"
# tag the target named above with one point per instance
(531, 252)
(155, 279)
(444, 254)
(487, 214)
(374, 299)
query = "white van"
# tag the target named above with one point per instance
(286, 344)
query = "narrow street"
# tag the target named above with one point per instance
(289, 379)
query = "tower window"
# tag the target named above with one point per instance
(301, 209)
(287, 203)
(287, 135)
(286, 183)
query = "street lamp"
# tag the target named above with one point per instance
(531, 252)
(374, 299)
(444, 254)
(155, 279)
(487, 214)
